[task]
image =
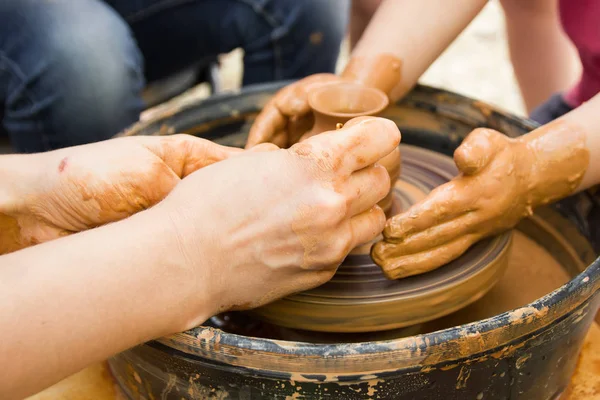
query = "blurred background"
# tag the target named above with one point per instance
(476, 65)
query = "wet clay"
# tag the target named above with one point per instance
(286, 117)
(10, 234)
(382, 72)
(337, 103)
(501, 181)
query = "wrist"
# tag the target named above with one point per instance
(558, 158)
(194, 285)
(383, 72)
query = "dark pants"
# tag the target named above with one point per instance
(72, 71)
(555, 107)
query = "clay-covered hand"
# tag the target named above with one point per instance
(282, 221)
(83, 187)
(501, 180)
(287, 116)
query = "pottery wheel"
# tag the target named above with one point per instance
(359, 298)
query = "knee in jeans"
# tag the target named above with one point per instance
(327, 21)
(79, 71)
(96, 56)
(316, 30)
(71, 51)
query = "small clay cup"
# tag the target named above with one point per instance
(338, 103)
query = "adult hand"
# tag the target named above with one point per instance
(83, 187)
(281, 222)
(491, 195)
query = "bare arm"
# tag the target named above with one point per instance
(587, 118)
(360, 15)
(416, 32)
(83, 298)
(544, 60)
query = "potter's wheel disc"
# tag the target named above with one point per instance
(360, 299)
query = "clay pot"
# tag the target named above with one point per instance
(338, 103)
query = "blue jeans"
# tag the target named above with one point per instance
(72, 71)
(553, 108)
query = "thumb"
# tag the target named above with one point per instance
(477, 150)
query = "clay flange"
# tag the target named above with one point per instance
(360, 299)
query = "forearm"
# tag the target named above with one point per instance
(544, 60)
(360, 15)
(83, 298)
(587, 118)
(416, 32)
(562, 157)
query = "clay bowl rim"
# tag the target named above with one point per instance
(200, 343)
(385, 101)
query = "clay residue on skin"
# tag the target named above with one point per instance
(23, 230)
(101, 201)
(84, 189)
(502, 181)
(10, 234)
(365, 101)
(383, 71)
(561, 160)
(309, 239)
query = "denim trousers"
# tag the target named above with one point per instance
(553, 108)
(72, 71)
